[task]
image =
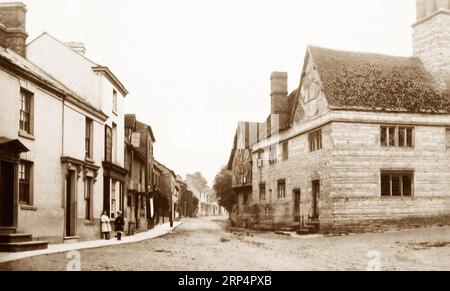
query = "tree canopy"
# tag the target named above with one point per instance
(222, 187)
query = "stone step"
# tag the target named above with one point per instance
(314, 222)
(7, 230)
(15, 238)
(23, 246)
(304, 231)
(314, 228)
(71, 239)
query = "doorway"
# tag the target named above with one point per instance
(136, 210)
(70, 205)
(297, 196)
(107, 195)
(315, 199)
(7, 194)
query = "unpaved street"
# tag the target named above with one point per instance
(210, 244)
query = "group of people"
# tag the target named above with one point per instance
(106, 229)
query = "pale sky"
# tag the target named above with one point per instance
(194, 68)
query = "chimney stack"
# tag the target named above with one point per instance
(279, 97)
(13, 33)
(78, 47)
(431, 39)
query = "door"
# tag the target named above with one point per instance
(315, 199)
(70, 205)
(6, 194)
(137, 208)
(297, 196)
(107, 195)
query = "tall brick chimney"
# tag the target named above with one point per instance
(13, 33)
(431, 38)
(279, 97)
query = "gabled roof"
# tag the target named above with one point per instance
(165, 168)
(146, 127)
(251, 138)
(95, 67)
(112, 78)
(45, 80)
(365, 81)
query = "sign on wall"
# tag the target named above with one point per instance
(136, 139)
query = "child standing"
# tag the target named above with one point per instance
(106, 225)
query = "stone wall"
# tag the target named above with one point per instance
(299, 171)
(431, 42)
(356, 163)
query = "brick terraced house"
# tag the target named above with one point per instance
(362, 144)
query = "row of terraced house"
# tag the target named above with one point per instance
(362, 144)
(68, 151)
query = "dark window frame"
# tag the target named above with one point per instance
(88, 198)
(108, 144)
(89, 138)
(262, 192)
(315, 140)
(281, 189)
(26, 114)
(115, 101)
(401, 136)
(272, 154)
(394, 183)
(285, 146)
(260, 159)
(447, 138)
(25, 177)
(114, 140)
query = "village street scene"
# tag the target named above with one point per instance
(338, 162)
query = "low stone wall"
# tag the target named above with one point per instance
(339, 226)
(381, 225)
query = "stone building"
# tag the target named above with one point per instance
(364, 142)
(56, 138)
(139, 140)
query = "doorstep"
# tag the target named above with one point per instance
(158, 231)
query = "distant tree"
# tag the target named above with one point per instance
(223, 189)
(188, 203)
(199, 180)
(194, 205)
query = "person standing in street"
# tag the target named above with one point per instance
(105, 225)
(119, 223)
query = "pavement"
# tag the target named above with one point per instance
(158, 231)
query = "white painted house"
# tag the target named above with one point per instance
(104, 150)
(52, 141)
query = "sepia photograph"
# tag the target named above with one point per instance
(221, 137)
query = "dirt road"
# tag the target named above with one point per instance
(210, 244)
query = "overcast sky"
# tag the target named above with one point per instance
(194, 68)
